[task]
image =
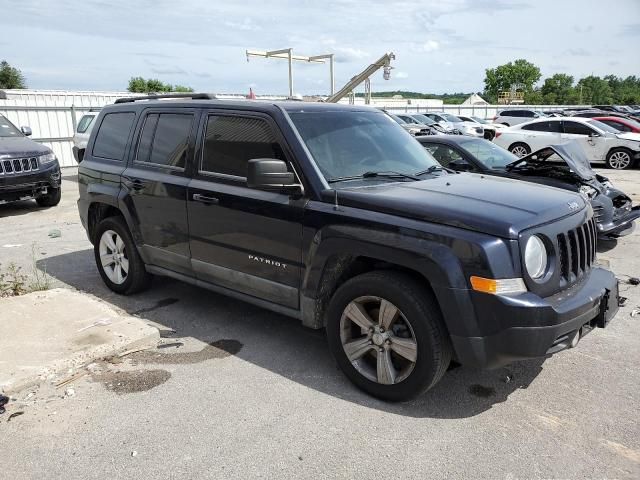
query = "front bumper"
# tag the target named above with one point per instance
(20, 186)
(622, 224)
(527, 326)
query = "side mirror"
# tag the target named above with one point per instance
(271, 174)
(26, 131)
(594, 134)
(460, 165)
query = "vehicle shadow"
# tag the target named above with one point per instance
(604, 246)
(282, 345)
(22, 207)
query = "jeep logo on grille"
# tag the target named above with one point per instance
(573, 206)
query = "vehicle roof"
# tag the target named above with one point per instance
(448, 139)
(253, 105)
(608, 117)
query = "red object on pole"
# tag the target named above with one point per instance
(251, 96)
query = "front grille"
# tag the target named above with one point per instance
(598, 211)
(577, 252)
(18, 165)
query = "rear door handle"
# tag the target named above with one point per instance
(205, 199)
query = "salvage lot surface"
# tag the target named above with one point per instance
(239, 392)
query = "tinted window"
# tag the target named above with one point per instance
(489, 154)
(513, 113)
(543, 127)
(618, 126)
(84, 123)
(112, 136)
(230, 142)
(168, 136)
(576, 128)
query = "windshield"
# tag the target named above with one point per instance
(398, 119)
(489, 154)
(480, 120)
(410, 120)
(602, 126)
(346, 144)
(424, 119)
(450, 118)
(7, 129)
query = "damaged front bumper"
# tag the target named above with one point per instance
(622, 223)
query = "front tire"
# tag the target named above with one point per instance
(117, 258)
(51, 198)
(520, 149)
(387, 334)
(619, 159)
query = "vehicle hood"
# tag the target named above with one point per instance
(493, 205)
(20, 146)
(572, 154)
(629, 136)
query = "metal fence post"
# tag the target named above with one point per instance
(74, 122)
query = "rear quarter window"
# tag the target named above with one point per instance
(85, 122)
(112, 136)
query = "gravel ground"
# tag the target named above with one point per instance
(238, 392)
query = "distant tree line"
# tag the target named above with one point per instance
(448, 98)
(11, 77)
(560, 89)
(152, 85)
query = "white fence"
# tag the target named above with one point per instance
(54, 115)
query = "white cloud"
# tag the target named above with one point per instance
(430, 46)
(401, 75)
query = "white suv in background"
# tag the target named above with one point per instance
(515, 116)
(600, 142)
(81, 135)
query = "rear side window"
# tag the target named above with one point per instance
(164, 139)
(576, 128)
(111, 140)
(230, 142)
(553, 127)
(84, 123)
(618, 126)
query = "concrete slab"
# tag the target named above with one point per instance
(44, 334)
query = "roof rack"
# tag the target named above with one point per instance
(192, 96)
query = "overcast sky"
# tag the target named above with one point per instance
(441, 46)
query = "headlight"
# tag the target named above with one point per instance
(535, 257)
(588, 191)
(47, 158)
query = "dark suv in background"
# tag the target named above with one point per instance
(334, 215)
(27, 168)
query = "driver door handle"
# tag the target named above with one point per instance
(205, 199)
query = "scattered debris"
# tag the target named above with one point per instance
(3, 401)
(169, 345)
(134, 453)
(69, 392)
(622, 301)
(71, 379)
(135, 350)
(633, 281)
(635, 312)
(55, 233)
(14, 415)
(100, 323)
(508, 378)
(12, 245)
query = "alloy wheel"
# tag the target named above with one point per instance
(113, 257)
(519, 151)
(619, 160)
(378, 340)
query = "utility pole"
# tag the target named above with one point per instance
(287, 54)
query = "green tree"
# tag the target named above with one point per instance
(594, 90)
(504, 76)
(11, 77)
(152, 85)
(558, 89)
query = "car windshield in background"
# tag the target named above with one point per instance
(7, 129)
(424, 119)
(346, 144)
(489, 154)
(480, 120)
(602, 126)
(398, 119)
(450, 118)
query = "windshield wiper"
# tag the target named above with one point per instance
(385, 174)
(431, 169)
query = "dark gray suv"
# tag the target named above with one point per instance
(27, 169)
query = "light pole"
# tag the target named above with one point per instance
(286, 53)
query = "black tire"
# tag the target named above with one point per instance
(615, 158)
(137, 279)
(520, 145)
(51, 198)
(419, 307)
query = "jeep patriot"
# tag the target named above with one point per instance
(336, 216)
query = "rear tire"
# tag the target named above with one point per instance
(394, 363)
(520, 149)
(619, 159)
(51, 198)
(117, 258)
